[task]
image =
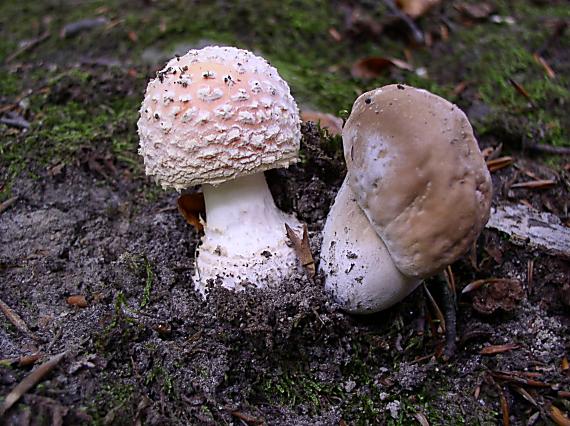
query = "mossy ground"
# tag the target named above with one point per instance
(81, 97)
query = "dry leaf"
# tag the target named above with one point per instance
(191, 207)
(302, 249)
(416, 8)
(77, 300)
(326, 121)
(374, 66)
(497, 349)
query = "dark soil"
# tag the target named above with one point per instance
(148, 350)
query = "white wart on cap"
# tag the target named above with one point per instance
(219, 117)
(417, 173)
(216, 114)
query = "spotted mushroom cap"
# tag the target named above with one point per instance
(216, 114)
(418, 175)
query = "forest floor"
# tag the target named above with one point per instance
(96, 262)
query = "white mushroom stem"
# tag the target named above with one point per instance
(359, 271)
(245, 240)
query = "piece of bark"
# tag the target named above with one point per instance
(530, 228)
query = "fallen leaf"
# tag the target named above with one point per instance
(302, 248)
(326, 121)
(558, 417)
(374, 66)
(191, 207)
(564, 365)
(77, 300)
(416, 8)
(497, 349)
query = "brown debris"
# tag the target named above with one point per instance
(511, 377)
(192, 207)
(23, 361)
(436, 309)
(421, 418)
(495, 295)
(499, 163)
(29, 45)
(77, 300)
(16, 320)
(7, 204)
(497, 349)
(504, 406)
(30, 381)
(558, 416)
(542, 62)
(374, 66)
(520, 89)
(416, 8)
(326, 121)
(248, 419)
(477, 11)
(303, 249)
(535, 184)
(74, 28)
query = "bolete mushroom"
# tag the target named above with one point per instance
(219, 117)
(416, 196)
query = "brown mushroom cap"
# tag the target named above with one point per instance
(418, 174)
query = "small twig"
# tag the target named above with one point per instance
(16, 320)
(438, 312)
(18, 122)
(548, 149)
(450, 314)
(74, 28)
(7, 204)
(521, 90)
(30, 381)
(535, 184)
(417, 34)
(28, 46)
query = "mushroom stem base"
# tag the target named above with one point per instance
(358, 269)
(245, 241)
